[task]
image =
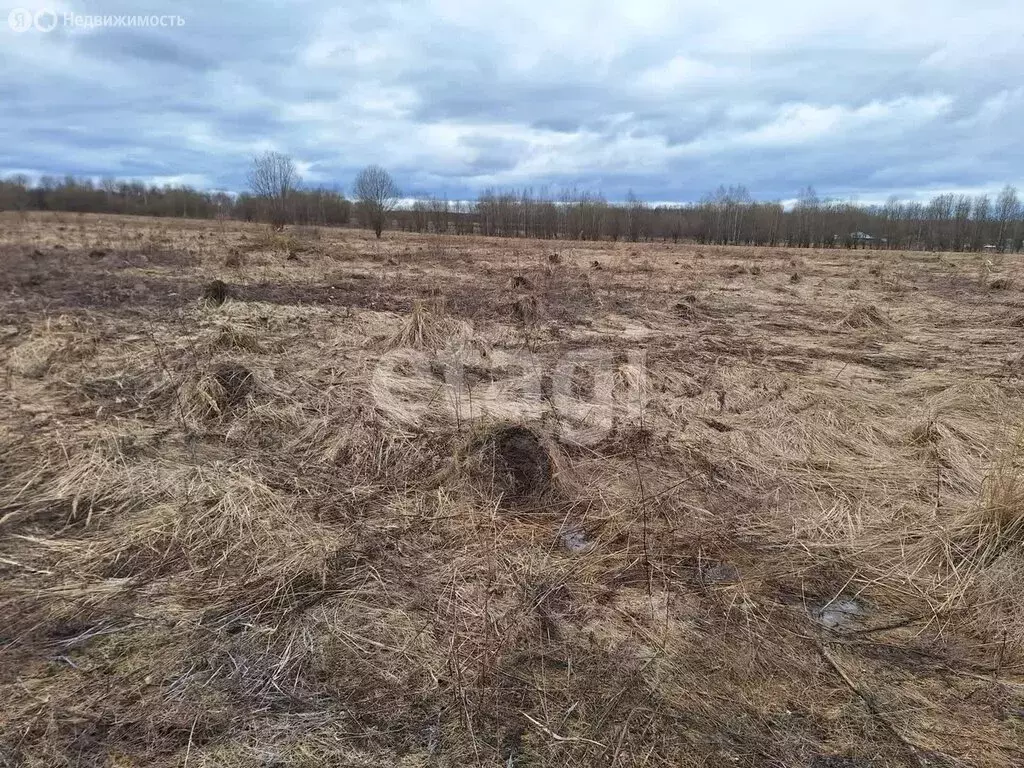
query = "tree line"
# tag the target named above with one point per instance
(728, 216)
(83, 195)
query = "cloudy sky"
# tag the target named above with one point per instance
(669, 98)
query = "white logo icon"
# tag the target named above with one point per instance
(20, 19)
(45, 20)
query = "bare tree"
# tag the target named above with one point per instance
(961, 222)
(377, 194)
(980, 213)
(274, 177)
(636, 213)
(807, 210)
(1008, 209)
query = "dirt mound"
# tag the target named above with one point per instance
(516, 464)
(216, 292)
(522, 282)
(235, 381)
(689, 308)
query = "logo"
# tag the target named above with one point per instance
(22, 20)
(45, 20)
(587, 393)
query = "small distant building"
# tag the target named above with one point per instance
(1010, 246)
(859, 239)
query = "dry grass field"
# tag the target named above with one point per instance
(676, 505)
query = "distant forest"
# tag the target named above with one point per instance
(728, 216)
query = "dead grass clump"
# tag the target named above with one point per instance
(266, 238)
(996, 524)
(216, 292)
(235, 381)
(865, 316)
(522, 282)
(981, 552)
(33, 358)
(425, 329)
(275, 239)
(525, 309)
(924, 435)
(214, 392)
(234, 337)
(123, 391)
(233, 544)
(514, 463)
(689, 308)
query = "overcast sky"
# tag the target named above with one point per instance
(669, 98)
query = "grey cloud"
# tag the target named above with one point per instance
(133, 47)
(518, 95)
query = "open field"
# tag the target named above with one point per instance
(438, 501)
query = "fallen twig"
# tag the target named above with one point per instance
(869, 702)
(556, 737)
